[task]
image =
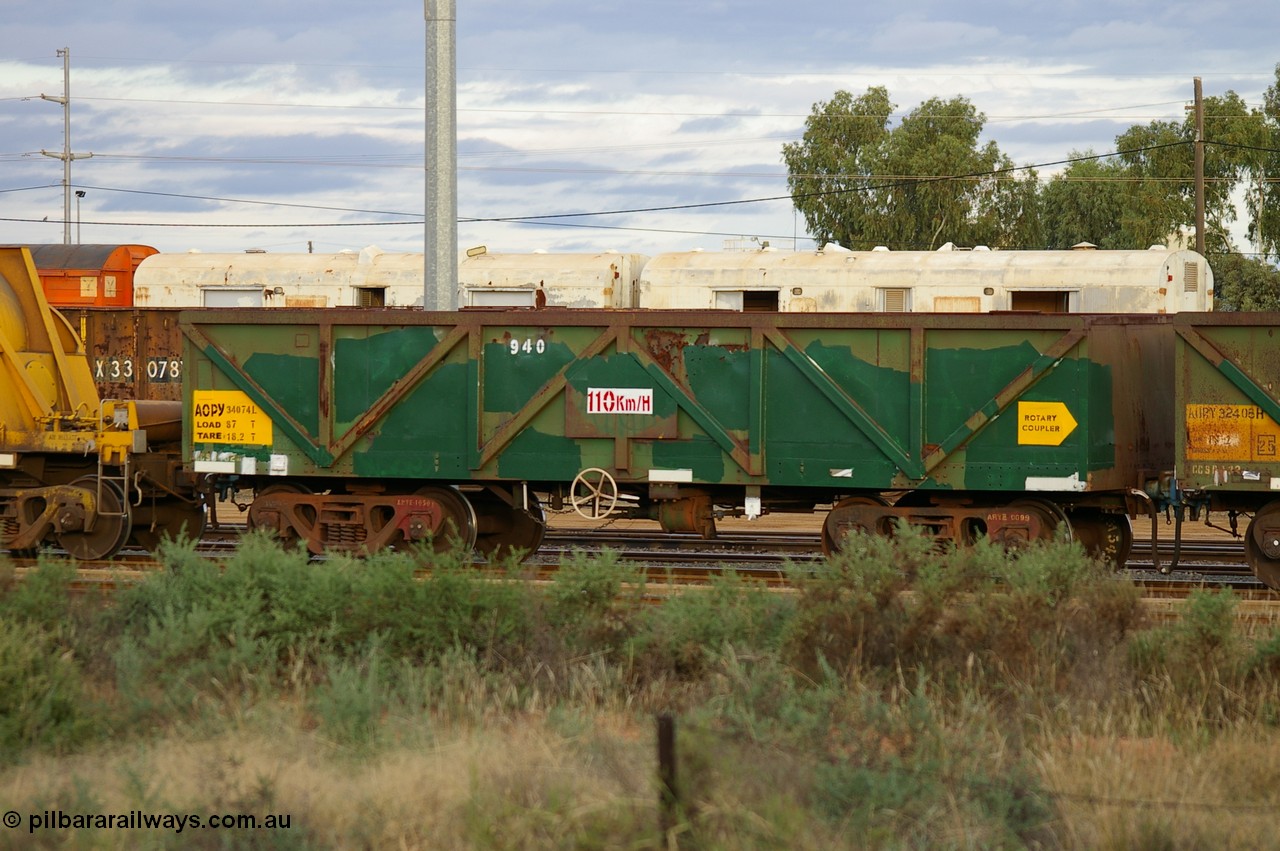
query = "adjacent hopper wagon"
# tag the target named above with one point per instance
(1228, 440)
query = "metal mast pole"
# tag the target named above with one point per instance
(66, 156)
(440, 251)
(1199, 166)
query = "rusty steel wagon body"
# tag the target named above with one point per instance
(362, 429)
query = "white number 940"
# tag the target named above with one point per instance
(528, 346)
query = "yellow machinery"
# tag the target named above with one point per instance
(73, 468)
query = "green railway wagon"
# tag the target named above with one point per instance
(362, 429)
(1228, 451)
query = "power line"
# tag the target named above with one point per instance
(846, 190)
(545, 218)
(635, 113)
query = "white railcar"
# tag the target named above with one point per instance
(1158, 280)
(369, 278)
(373, 278)
(607, 280)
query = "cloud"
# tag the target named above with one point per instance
(317, 109)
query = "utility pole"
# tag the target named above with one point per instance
(1199, 150)
(66, 156)
(440, 249)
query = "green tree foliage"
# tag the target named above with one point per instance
(1263, 193)
(1245, 283)
(1146, 191)
(1083, 204)
(929, 180)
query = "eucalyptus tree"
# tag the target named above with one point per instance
(860, 180)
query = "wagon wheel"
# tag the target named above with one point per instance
(110, 526)
(832, 535)
(1106, 537)
(1262, 545)
(1051, 515)
(459, 524)
(594, 493)
(516, 530)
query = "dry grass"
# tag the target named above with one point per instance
(893, 701)
(586, 781)
(519, 783)
(1122, 791)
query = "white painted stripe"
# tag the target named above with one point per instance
(1050, 483)
(671, 476)
(215, 466)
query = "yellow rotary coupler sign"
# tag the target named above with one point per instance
(228, 416)
(1044, 423)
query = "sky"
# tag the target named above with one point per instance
(645, 126)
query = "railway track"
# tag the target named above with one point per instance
(674, 559)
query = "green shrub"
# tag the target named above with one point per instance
(691, 629)
(1023, 618)
(43, 596)
(43, 701)
(1200, 646)
(351, 699)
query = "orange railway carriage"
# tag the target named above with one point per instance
(89, 275)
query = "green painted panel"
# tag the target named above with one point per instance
(616, 371)
(994, 460)
(512, 378)
(700, 454)
(962, 381)
(880, 386)
(718, 379)
(808, 437)
(293, 382)
(539, 456)
(425, 434)
(1228, 378)
(368, 361)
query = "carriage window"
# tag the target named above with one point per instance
(760, 301)
(371, 297)
(232, 296)
(1041, 301)
(730, 300)
(893, 300)
(499, 298)
(747, 301)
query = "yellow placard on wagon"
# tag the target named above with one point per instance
(1044, 423)
(1240, 433)
(228, 416)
